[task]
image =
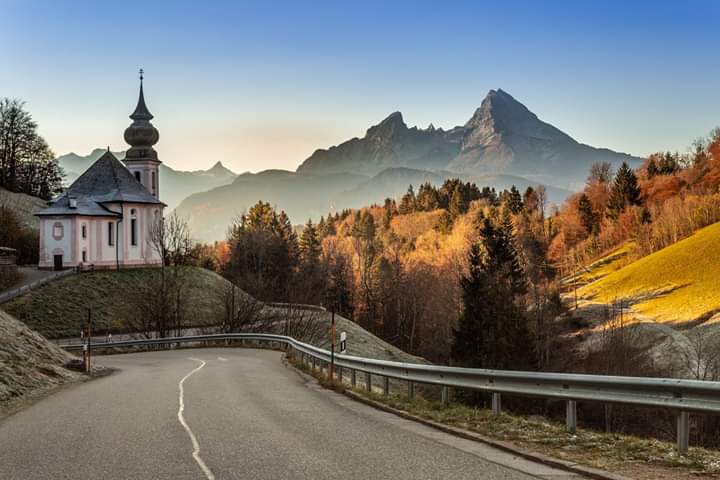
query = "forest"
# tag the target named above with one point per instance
(461, 274)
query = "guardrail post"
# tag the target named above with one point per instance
(368, 382)
(386, 386)
(339, 371)
(683, 431)
(571, 416)
(314, 364)
(353, 378)
(496, 404)
(411, 390)
(445, 395)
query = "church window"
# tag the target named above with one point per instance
(133, 228)
(111, 234)
(84, 256)
(153, 183)
(84, 230)
(137, 176)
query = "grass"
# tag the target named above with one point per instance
(607, 264)
(58, 308)
(629, 455)
(677, 284)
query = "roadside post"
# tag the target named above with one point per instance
(87, 331)
(332, 345)
(343, 343)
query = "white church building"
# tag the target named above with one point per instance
(105, 218)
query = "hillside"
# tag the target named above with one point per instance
(674, 285)
(28, 362)
(59, 308)
(175, 185)
(25, 206)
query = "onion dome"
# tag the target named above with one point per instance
(141, 135)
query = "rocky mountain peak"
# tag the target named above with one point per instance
(388, 128)
(500, 114)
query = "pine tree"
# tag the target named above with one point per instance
(513, 200)
(309, 247)
(408, 202)
(457, 206)
(625, 191)
(587, 215)
(492, 330)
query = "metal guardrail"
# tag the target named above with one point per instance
(683, 396)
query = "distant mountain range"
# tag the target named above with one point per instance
(502, 144)
(502, 137)
(175, 185)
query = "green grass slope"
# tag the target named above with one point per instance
(677, 284)
(59, 308)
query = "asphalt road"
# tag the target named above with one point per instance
(244, 415)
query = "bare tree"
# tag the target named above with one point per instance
(701, 354)
(161, 305)
(242, 311)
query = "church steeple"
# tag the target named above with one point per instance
(141, 158)
(141, 111)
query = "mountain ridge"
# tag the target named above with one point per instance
(175, 185)
(501, 137)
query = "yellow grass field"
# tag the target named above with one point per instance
(677, 284)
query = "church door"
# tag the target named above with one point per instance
(58, 262)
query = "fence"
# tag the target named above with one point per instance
(682, 396)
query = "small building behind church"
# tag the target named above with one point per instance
(105, 219)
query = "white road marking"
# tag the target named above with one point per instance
(196, 446)
(222, 359)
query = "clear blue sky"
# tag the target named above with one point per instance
(262, 84)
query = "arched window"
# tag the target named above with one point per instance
(137, 176)
(133, 228)
(152, 176)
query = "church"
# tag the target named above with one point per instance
(105, 219)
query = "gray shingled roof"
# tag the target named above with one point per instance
(106, 181)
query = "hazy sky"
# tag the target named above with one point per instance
(261, 85)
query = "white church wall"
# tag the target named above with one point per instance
(57, 235)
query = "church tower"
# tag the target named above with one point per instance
(141, 158)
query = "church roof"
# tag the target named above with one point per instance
(106, 181)
(141, 111)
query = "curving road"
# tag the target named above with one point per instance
(231, 414)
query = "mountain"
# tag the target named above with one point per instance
(302, 196)
(175, 185)
(502, 137)
(390, 144)
(394, 182)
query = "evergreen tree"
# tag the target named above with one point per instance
(586, 214)
(625, 191)
(513, 200)
(309, 247)
(407, 202)
(492, 331)
(457, 205)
